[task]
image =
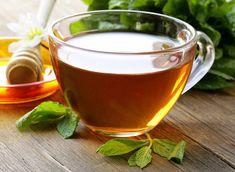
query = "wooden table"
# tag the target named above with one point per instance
(206, 120)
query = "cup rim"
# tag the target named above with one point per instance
(169, 50)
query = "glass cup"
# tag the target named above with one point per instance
(122, 70)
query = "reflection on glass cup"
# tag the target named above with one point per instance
(122, 71)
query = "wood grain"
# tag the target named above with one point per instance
(205, 120)
(205, 115)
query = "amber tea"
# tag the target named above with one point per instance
(122, 92)
(123, 70)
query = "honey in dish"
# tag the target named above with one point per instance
(20, 93)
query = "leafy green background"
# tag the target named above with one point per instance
(214, 17)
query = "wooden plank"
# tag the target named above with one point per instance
(203, 117)
(47, 149)
(17, 151)
(197, 158)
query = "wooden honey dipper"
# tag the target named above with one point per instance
(24, 66)
(26, 63)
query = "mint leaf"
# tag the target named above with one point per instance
(96, 4)
(218, 53)
(177, 8)
(163, 147)
(67, 126)
(201, 9)
(221, 74)
(178, 152)
(45, 112)
(168, 149)
(132, 160)
(229, 50)
(214, 34)
(226, 65)
(107, 26)
(88, 2)
(213, 82)
(227, 16)
(143, 156)
(118, 4)
(120, 146)
(159, 3)
(48, 113)
(109, 22)
(78, 27)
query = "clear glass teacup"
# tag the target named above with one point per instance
(122, 70)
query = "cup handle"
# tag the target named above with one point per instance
(202, 62)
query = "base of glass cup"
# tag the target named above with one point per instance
(119, 134)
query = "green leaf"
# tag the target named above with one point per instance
(132, 160)
(159, 3)
(226, 65)
(93, 22)
(128, 20)
(143, 156)
(84, 24)
(218, 53)
(212, 33)
(221, 74)
(141, 4)
(229, 50)
(227, 16)
(163, 147)
(145, 27)
(201, 9)
(107, 26)
(45, 112)
(88, 2)
(50, 113)
(97, 4)
(120, 146)
(168, 149)
(213, 82)
(67, 126)
(177, 8)
(177, 154)
(118, 4)
(78, 27)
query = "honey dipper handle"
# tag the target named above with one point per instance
(44, 11)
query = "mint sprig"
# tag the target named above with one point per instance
(142, 150)
(50, 112)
